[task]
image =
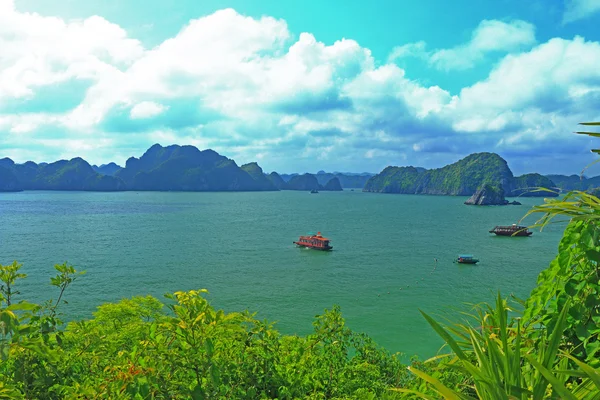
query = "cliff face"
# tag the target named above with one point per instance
(256, 173)
(8, 181)
(488, 195)
(462, 178)
(277, 180)
(333, 185)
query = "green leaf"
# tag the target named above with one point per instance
(594, 134)
(591, 348)
(410, 391)
(571, 287)
(593, 374)
(448, 393)
(556, 384)
(445, 335)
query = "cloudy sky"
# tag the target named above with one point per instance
(302, 86)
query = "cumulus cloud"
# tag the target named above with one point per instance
(579, 9)
(250, 89)
(39, 51)
(558, 77)
(146, 109)
(491, 36)
(417, 50)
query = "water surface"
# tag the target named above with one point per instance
(239, 247)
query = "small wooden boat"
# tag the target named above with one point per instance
(466, 259)
(314, 191)
(511, 230)
(316, 242)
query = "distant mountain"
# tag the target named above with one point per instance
(180, 168)
(287, 177)
(303, 182)
(575, 182)
(6, 163)
(258, 175)
(525, 185)
(462, 178)
(333, 185)
(75, 174)
(185, 168)
(309, 182)
(8, 180)
(276, 180)
(107, 169)
(347, 179)
(355, 181)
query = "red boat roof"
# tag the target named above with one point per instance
(317, 236)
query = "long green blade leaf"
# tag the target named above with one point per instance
(556, 384)
(595, 134)
(422, 395)
(593, 374)
(448, 393)
(445, 335)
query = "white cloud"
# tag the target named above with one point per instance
(489, 36)
(579, 9)
(146, 109)
(544, 77)
(243, 87)
(39, 50)
(418, 50)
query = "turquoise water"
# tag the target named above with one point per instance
(239, 247)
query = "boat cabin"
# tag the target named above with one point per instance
(511, 230)
(312, 241)
(466, 259)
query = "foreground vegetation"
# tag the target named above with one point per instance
(545, 346)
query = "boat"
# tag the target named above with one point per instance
(314, 191)
(511, 230)
(313, 241)
(466, 259)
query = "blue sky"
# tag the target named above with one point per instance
(347, 86)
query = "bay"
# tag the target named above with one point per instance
(382, 270)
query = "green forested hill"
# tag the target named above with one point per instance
(461, 178)
(75, 174)
(185, 168)
(575, 182)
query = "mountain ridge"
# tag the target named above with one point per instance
(186, 168)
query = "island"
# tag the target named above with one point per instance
(462, 178)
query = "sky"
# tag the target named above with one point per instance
(303, 86)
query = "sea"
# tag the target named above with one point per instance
(392, 257)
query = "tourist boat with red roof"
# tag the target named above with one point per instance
(316, 242)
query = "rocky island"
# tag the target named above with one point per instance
(488, 195)
(462, 178)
